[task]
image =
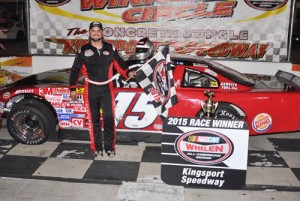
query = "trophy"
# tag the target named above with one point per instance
(210, 106)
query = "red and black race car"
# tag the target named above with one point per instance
(39, 105)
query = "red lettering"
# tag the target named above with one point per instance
(155, 95)
(238, 49)
(100, 4)
(251, 52)
(93, 4)
(200, 10)
(76, 31)
(209, 148)
(224, 49)
(77, 122)
(262, 50)
(224, 8)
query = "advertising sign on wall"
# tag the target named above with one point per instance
(235, 29)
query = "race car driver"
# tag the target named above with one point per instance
(96, 61)
(143, 52)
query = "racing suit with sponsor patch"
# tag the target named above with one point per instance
(97, 66)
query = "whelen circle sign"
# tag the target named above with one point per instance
(204, 147)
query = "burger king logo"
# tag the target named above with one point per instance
(262, 122)
(204, 147)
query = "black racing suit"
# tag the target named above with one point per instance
(97, 65)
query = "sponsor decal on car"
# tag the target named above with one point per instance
(80, 91)
(262, 122)
(65, 124)
(53, 99)
(78, 116)
(58, 91)
(6, 95)
(66, 97)
(229, 86)
(59, 105)
(204, 147)
(77, 122)
(64, 117)
(214, 84)
(79, 100)
(79, 109)
(64, 110)
(74, 104)
(45, 91)
(24, 91)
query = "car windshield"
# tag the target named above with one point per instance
(230, 73)
(215, 66)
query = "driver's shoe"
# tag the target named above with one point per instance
(99, 150)
(111, 153)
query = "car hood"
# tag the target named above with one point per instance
(47, 77)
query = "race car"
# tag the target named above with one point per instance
(39, 105)
(13, 30)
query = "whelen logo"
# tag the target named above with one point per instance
(204, 147)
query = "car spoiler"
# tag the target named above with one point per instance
(289, 79)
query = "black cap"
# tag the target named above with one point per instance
(96, 24)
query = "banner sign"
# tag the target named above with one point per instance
(206, 153)
(223, 29)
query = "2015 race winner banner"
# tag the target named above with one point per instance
(206, 153)
(222, 29)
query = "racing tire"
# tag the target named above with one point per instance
(30, 121)
(223, 111)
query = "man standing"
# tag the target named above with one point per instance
(96, 62)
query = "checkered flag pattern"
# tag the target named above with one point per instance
(156, 79)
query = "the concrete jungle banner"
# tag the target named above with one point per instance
(223, 29)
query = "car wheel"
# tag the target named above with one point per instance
(31, 122)
(224, 111)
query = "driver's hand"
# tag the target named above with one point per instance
(74, 95)
(131, 74)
